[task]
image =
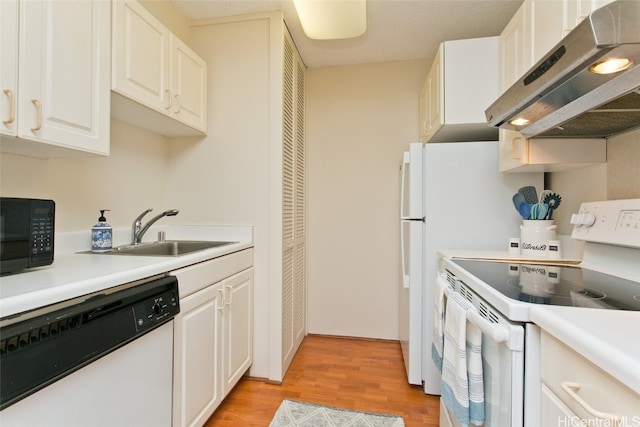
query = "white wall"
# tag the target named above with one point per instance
(128, 181)
(623, 173)
(360, 119)
(619, 178)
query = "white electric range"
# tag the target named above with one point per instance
(503, 293)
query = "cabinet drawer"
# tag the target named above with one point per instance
(571, 377)
(198, 276)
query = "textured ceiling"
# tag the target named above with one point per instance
(396, 29)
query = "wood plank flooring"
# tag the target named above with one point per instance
(363, 375)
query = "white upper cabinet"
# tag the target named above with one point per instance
(461, 83)
(140, 55)
(575, 11)
(546, 18)
(159, 83)
(188, 85)
(59, 105)
(9, 66)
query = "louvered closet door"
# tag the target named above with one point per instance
(293, 187)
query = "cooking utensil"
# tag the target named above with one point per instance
(518, 199)
(553, 200)
(535, 210)
(530, 194)
(525, 210)
(544, 194)
(544, 208)
(539, 210)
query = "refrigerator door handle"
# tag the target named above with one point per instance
(406, 280)
(403, 172)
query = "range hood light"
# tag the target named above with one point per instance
(611, 66)
(520, 121)
(563, 97)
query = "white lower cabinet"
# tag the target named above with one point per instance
(237, 326)
(197, 358)
(213, 336)
(577, 392)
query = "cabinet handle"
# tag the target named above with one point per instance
(514, 147)
(168, 93)
(179, 104)
(569, 388)
(230, 293)
(221, 306)
(12, 107)
(38, 106)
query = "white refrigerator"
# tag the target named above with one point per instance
(452, 197)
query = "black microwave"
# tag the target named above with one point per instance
(27, 229)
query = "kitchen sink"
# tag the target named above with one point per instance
(167, 248)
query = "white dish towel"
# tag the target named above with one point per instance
(462, 381)
(437, 343)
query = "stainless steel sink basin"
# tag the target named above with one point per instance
(167, 248)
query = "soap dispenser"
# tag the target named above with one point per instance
(101, 234)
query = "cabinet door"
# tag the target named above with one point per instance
(424, 123)
(9, 66)
(553, 410)
(435, 102)
(197, 339)
(63, 90)
(140, 68)
(238, 327)
(188, 85)
(547, 23)
(514, 54)
(514, 150)
(575, 11)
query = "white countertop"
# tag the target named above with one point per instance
(607, 338)
(75, 274)
(505, 256)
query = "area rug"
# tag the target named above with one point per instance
(300, 414)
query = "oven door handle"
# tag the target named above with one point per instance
(494, 331)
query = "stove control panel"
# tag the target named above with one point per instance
(615, 222)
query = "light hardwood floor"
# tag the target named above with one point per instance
(363, 375)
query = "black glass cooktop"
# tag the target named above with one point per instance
(555, 285)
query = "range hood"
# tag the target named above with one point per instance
(560, 97)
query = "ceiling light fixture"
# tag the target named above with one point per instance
(332, 19)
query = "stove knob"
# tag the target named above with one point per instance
(575, 219)
(587, 219)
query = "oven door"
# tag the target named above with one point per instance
(502, 364)
(503, 370)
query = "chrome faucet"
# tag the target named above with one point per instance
(137, 230)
